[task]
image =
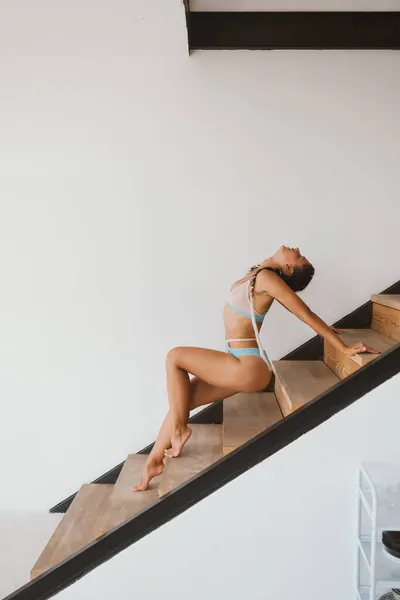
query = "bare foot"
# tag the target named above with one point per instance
(150, 471)
(178, 440)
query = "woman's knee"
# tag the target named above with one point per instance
(173, 357)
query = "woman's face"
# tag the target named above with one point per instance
(292, 257)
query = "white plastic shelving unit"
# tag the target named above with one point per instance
(378, 509)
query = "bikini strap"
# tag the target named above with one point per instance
(241, 340)
(253, 317)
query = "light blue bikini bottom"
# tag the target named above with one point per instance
(242, 351)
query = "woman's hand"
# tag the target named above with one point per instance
(358, 348)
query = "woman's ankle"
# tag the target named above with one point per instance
(178, 428)
(154, 461)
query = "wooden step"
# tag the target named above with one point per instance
(390, 300)
(343, 365)
(300, 381)
(76, 529)
(203, 448)
(123, 502)
(247, 415)
(386, 315)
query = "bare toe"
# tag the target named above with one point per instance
(169, 453)
(150, 471)
(140, 487)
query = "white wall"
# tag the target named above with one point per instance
(285, 529)
(23, 535)
(135, 185)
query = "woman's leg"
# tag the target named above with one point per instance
(200, 393)
(216, 368)
(178, 386)
(154, 464)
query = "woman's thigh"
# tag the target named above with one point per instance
(220, 369)
(204, 393)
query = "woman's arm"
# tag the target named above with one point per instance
(271, 284)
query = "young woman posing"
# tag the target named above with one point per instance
(244, 367)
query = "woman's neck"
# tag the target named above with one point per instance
(270, 262)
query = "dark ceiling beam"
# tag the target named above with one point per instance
(294, 30)
(186, 6)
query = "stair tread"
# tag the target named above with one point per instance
(390, 300)
(300, 381)
(247, 415)
(369, 336)
(123, 502)
(76, 529)
(203, 448)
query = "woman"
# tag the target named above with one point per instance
(244, 367)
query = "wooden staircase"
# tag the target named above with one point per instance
(97, 508)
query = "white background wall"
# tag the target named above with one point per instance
(285, 529)
(23, 535)
(135, 185)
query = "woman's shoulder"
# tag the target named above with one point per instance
(265, 280)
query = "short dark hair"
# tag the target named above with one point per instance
(300, 278)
